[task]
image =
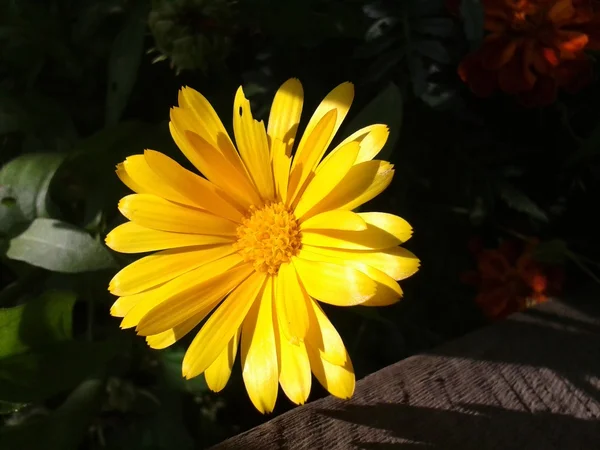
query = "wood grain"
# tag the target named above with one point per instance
(530, 382)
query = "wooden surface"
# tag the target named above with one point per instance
(531, 382)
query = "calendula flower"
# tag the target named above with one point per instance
(510, 280)
(257, 244)
(534, 47)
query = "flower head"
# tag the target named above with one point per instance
(534, 47)
(510, 280)
(252, 248)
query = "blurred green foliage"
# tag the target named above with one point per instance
(85, 83)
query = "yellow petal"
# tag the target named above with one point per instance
(387, 290)
(291, 304)
(397, 262)
(335, 284)
(199, 191)
(383, 231)
(133, 238)
(371, 140)
(155, 212)
(206, 124)
(332, 172)
(150, 271)
(323, 336)
(294, 370)
(123, 305)
(127, 180)
(251, 139)
(221, 326)
(363, 182)
(193, 280)
(281, 168)
(335, 220)
(310, 153)
(220, 171)
(167, 338)
(150, 182)
(218, 373)
(390, 223)
(339, 380)
(285, 114)
(180, 305)
(260, 368)
(340, 100)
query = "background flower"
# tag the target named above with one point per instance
(534, 47)
(509, 280)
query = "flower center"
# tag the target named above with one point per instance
(268, 237)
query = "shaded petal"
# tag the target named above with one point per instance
(260, 368)
(155, 212)
(186, 284)
(206, 124)
(251, 139)
(218, 373)
(133, 238)
(281, 168)
(363, 182)
(152, 270)
(329, 175)
(123, 305)
(294, 369)
(397, 262)
(127, 180)
(335, 284)
(338, 219)
(387, 290)
(222, 325)
(323, 336)
(340, 100)
(167, 338)
(291, 304)
(150, 182)
(179, 305)
(209, 161)
(199, 191)
(308, 156)
(371, 140)
(285, 114)
(339, 380)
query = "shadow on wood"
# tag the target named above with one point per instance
(530, 382)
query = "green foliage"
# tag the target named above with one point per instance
(24, 184)
(59, 247)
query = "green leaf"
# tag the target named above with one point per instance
(59, 247)
(124, 61)
(518, 201)
(37, 323)
(432, 49)
(171, 360)
(386, 109)
(24, 184)
(64, 429)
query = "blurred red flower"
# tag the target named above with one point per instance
(509, 280)
(533, 47)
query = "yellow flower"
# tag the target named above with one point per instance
(258, 242)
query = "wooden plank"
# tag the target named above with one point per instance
(530, 382)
